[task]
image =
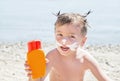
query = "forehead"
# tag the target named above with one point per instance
(69, 28)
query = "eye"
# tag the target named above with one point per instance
(59, 34)
(72, 36)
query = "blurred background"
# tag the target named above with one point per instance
(24, 20)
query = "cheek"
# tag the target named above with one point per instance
(58, 38)
(82, 42)
(76, 40)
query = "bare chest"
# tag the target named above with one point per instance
(68, 71)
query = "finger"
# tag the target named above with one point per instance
(46, 60)
(26, 64)
(29, 75)
(27, 67)
(28, 70)
(26, 61)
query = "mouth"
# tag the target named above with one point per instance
(64, 48)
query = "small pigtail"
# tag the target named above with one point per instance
(87, 13)
(85, 20)
(57, 14)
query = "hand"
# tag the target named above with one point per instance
(27, 69)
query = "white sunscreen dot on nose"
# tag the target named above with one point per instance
(63, 41)
(73, 46)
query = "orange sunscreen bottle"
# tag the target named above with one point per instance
(36, 59)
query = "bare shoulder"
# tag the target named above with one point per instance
(81, 53)
(86, 56)
(90, 62)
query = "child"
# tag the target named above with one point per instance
(68, 62)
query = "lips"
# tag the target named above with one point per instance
(64, 48)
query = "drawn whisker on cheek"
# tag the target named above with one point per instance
(73, 46)
(58, 44)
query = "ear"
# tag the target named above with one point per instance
(83, 41)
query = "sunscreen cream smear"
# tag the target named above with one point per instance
(72, 47)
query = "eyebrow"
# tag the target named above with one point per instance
(72, 33)
(58, 31)
(61, 32)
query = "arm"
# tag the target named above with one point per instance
(96, 70)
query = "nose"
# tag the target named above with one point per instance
(64, 41)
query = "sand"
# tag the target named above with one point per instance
(13, 56)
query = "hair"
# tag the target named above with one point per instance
(74, 18)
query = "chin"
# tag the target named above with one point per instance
(63, 54)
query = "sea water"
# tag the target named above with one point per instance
(26, 20)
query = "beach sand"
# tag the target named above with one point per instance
(13, 56)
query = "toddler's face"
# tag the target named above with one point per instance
(68, 38)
